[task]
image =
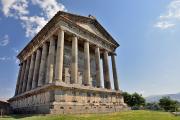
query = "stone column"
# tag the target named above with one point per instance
(50, 64)
(74, 64)
(98, 67)
(31, 71)
(42, 68)
(59, 56)
(21, 78)
(107, 83)
(25, 78)
(36, 69)
(116, 85)
(18, 80)
(86, 64)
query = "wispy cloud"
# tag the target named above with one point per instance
(4, 40)
(9, 58)
(171, 17)
(164, 25)
(15, 50)
(19, 9)
(5, 58)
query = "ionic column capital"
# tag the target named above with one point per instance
(61, 29)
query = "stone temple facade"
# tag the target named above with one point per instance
(65, 69)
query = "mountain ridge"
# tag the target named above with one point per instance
(156, 98)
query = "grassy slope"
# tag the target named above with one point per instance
(129, 115)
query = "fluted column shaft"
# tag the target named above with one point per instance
(115, 77)
(59, 56)
(98, 67)
(25, 78)
(74, 64)
(21, 78)
(18, 80)
(31, 71)
(50, 64)
(42, 68)
(86, 64)
(36, 69)
(107, 83)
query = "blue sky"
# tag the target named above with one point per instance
(148, 59)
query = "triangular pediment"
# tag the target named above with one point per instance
(90, 27)
(91, 24)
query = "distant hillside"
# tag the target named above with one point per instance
(157, 97)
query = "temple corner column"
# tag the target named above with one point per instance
(59, 56)
(107, 83)
(18, 80)
(114, 70)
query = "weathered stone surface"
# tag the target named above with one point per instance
(69, 99)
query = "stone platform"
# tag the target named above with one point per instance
(61, 98)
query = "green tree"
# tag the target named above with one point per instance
(133, 100)
(168, 104)
(127, 98)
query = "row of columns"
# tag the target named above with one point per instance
(46, 65)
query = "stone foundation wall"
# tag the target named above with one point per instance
(63, 100)
(37, 103)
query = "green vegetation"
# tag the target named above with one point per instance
(128, 115)
(135, 100)
(168, 104)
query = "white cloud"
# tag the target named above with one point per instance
(49, 7)
(4, 40)
(171, 17)
(9, 58)
(4, 58)
(15, 8)
(15, 50)
(164, 25)
(32, 24)
(18, 9)
(6, 6)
